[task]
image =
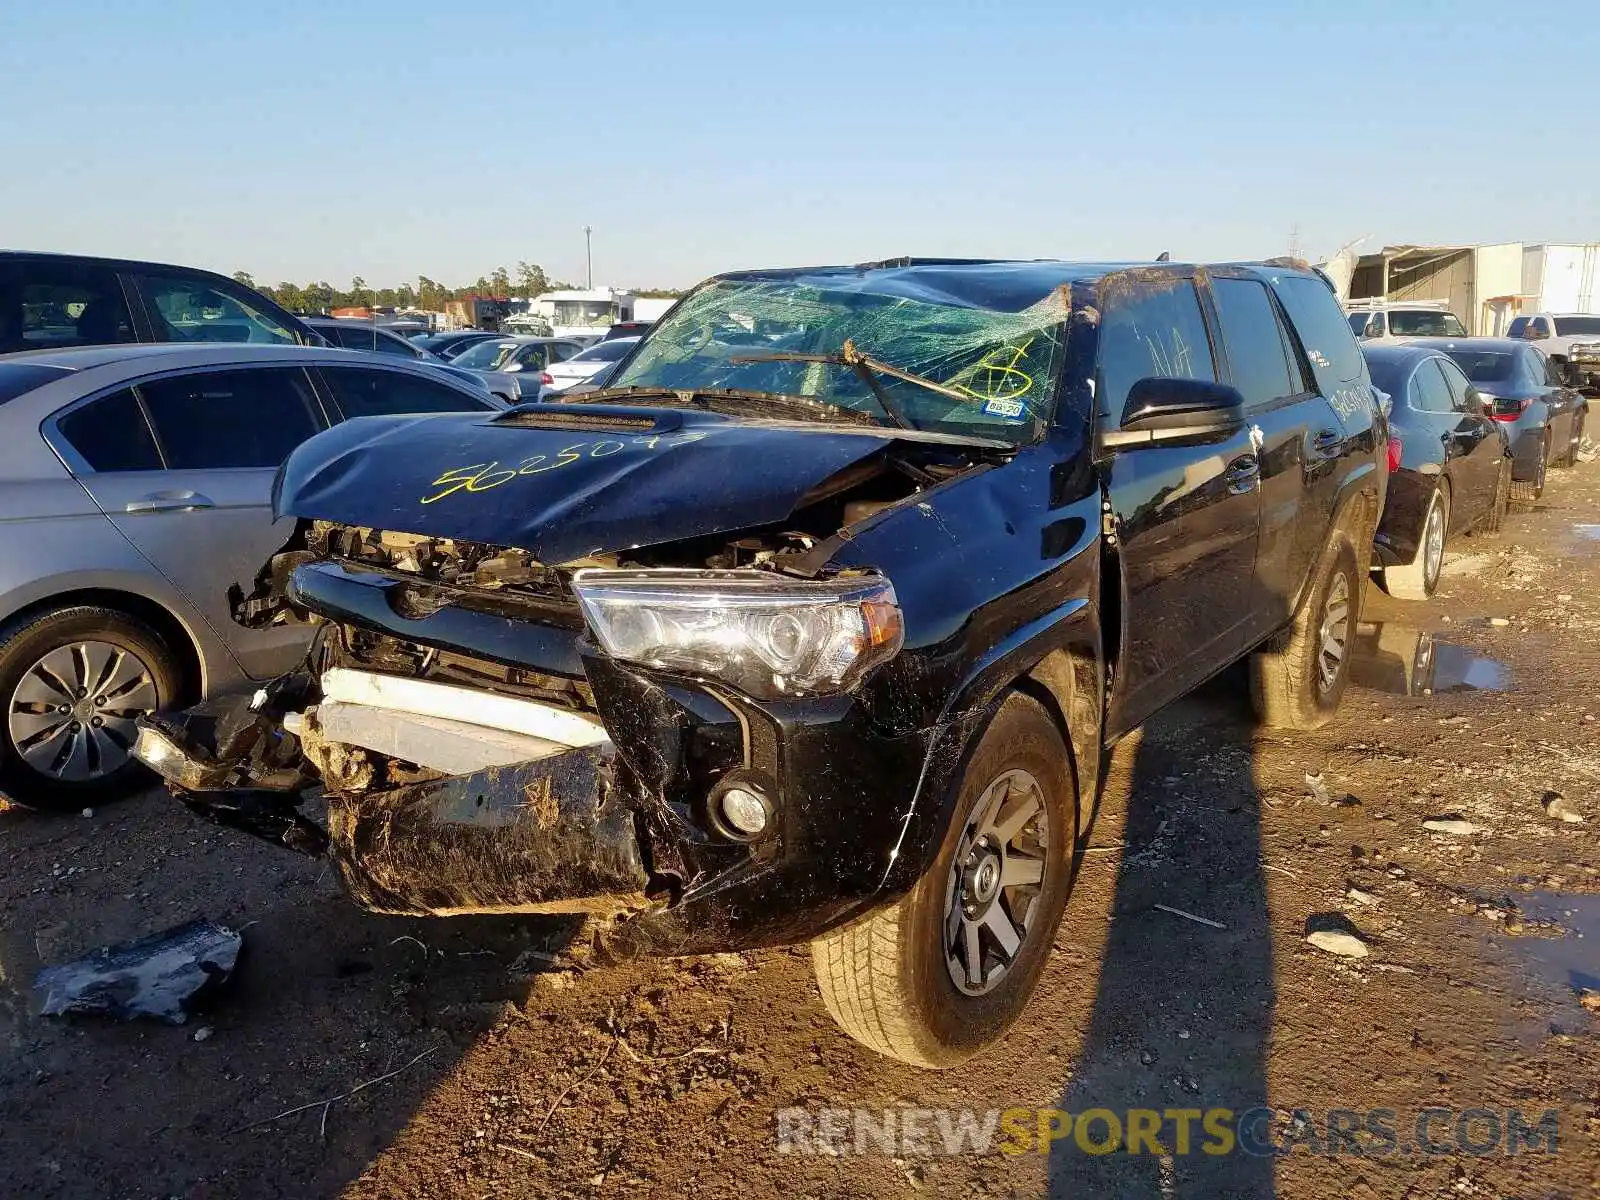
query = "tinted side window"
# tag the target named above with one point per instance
(1324, 333)
(1541, 327)
(1537, 368)
(360, 393)
(1457, 383)
(110, 434)
(1150, 329)
(1517, 326)
(64, 304)
(195, 310)
(1253, 340)
(1429, 392)
(215, 419)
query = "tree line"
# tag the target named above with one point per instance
(528, 279)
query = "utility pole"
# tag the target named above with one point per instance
(588, 257)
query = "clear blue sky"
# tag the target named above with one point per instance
(300, 140)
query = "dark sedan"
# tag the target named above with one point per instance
(1543, 418)
(1448, 462)
(448, 345)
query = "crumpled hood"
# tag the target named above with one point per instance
(565, 481)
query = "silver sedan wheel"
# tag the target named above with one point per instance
(1333, 641)
(995, 882)
(71, 714)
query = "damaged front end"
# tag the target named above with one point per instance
(679, 732)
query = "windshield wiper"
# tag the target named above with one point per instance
(868, 369)
(766, 404)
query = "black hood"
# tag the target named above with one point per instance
(565, 482)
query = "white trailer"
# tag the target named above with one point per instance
(585, 312)
(1561, 278)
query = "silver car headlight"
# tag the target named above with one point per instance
(764, 634)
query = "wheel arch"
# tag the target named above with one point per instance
(190, 659)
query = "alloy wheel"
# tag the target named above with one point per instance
(71, 714)
(1433, 544)
(1333, 636)
(995, 882)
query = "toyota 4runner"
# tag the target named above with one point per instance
(814, 624)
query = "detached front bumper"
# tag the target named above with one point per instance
(623, 828)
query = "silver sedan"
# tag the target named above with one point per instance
(136, 483)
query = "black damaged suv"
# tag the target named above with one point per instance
(816, 622)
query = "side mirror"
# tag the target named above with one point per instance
(1372, 328)
(1477, 404)
(1163, 410)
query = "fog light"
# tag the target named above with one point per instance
(743, 811)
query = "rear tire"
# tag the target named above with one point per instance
(890, 978)
(1570, 458)
(1529, 490)
(1495, 521)
(53, 756)
(1296, 682)
(1419, 579)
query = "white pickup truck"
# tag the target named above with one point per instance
(1393, 322)
(1570, 340)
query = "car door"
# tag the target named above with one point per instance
(1290, 422)
(1329, 432)
(1185, 515)
(1472, 445)
(183, 307)
(379, 392)
(205, 518)
(1563, 401)
(48, 303)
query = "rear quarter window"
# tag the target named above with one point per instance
(1325, 336)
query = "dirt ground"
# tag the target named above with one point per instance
(521, 1074)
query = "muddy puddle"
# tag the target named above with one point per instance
(1587, 533)
(1566, 952)
(1387, 657)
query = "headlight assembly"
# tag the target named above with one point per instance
(764, 634)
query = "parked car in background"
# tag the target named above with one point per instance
(513, 367)
(802, 637)
(1392, 322)
(136, 483)
(51, 301)
(1570, 340)
(627, 329)
(360, 335)
(559, 377)
(1449, 465)
(1542, 415)
(364, 335)
(448, 345)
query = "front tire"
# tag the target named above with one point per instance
(1296, 682)
(1419, 578)
(72, 680)
(944, 971)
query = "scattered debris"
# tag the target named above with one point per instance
(1452, 823)
(166, 975)
(1360, 897)
(203, 1033)
(1335, 933)
(532, 962)
(1499, 622)
(87, 813)
(1558, 808)
(325, 1105)
(1322, 795)
(1189, 916)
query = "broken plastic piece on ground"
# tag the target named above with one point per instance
(166, 975)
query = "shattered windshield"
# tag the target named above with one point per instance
(971, 370)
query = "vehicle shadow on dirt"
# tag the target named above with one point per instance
(325, 998)
(1182, 1010)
